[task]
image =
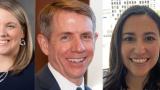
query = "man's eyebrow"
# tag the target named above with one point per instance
(87, 33)
(66, 33)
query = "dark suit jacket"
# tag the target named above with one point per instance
(44, 80)
(21, 81)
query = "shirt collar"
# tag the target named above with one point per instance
(64, 83)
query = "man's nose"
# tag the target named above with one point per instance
(78, 45)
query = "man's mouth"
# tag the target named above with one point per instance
(76, 60)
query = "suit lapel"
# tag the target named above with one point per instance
(47, 80)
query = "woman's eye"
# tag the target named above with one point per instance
(129, 39)
(149, 38)
(11, 26)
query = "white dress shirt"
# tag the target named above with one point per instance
(64, 83)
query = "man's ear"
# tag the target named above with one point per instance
(43, 43)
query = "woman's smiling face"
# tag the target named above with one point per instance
(140, 45)
(10, 34)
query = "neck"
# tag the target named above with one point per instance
(6, 63)
(135, 82)
(78, 81)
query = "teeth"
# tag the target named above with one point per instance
(76, 60)
(143, 60)
(3, 42)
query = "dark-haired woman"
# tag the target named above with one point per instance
(135, 51)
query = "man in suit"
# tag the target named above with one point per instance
(68, 39)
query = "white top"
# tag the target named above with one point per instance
(64, 83)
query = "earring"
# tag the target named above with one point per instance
(22, 42)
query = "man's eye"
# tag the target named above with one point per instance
(65, 38)
(86, 37)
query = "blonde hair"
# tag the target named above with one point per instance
(24, 55)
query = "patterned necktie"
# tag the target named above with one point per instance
(79, 88)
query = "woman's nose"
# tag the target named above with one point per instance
(140, 48)
(3, 32)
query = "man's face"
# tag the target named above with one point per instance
(71, 44)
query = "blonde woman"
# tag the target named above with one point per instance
(16, 49)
